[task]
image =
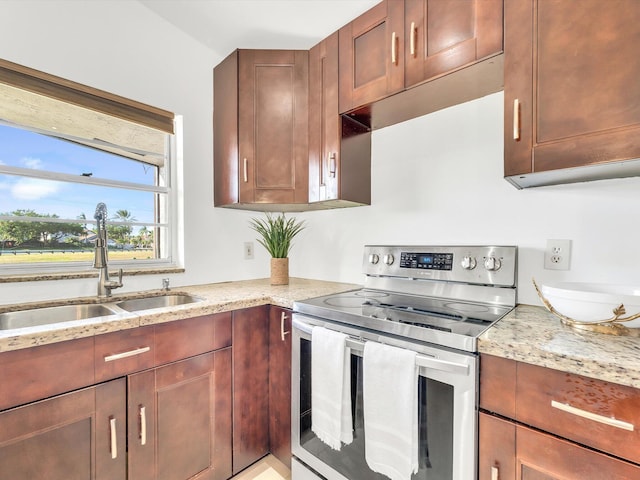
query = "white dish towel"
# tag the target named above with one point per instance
(390, 404)
(330, 387)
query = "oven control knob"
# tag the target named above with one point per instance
(492, 264)
(468, 262)
(373, 258)
(388, 259)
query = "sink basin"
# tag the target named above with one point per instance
(45, 316)
(149, 303)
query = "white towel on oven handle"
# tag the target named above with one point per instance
(390, 404)
(331, 417)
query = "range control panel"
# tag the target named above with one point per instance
(473, 264)
(429, 261)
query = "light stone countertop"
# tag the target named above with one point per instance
(218, 297)
(532, 335)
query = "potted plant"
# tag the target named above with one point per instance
(276, 234)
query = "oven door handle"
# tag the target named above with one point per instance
(421, 360)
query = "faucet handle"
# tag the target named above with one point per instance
(119, 278)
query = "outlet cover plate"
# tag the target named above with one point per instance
(557, 255)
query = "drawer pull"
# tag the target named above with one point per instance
(612, 422)
(245, 174)
(495, 473)
(412, 39)
(114, 438)
(143, 425)
(394, 41)
(130, 353)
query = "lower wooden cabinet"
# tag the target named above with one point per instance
(180, 419)
(75, 436)
(534, 424)
(280, 384)
(250, 386)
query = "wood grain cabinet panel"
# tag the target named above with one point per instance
(261, 129)
(497, 447)
(571, 88)
(280, 384)
(371, 55)
(31, 374)
(339, 147)
(75, 436)
(180, 419)
(498, 385)
(250, 386)
(444, 35)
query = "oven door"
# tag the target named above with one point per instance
(447, 410)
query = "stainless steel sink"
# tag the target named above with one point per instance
(45, 316)
(149, 303)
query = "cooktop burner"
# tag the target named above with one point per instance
(443, 295)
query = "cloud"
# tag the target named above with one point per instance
(30, 162)
(34, 189)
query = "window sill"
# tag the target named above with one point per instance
(36, 277)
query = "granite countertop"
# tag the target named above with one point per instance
(532, 335)
(218, 297)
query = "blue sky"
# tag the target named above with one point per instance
(22, 148)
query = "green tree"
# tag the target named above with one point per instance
(121, 234)
(44, 232)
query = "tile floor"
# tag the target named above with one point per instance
(269, 468)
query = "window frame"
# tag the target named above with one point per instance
(124, 109)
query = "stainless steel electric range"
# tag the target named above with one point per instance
(434, 300)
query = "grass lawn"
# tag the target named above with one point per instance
(85, 256)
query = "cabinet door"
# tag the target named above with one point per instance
(371, 55)
(280, 384)
(497, 448)
(180, 419)
(571, 84)
(545, 457)
(76, 436)
(273, 88)
(250, 386)
(444, 35)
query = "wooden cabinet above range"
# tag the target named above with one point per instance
(403, 59)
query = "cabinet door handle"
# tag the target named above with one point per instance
(332, 165)
(412, 39)
(130, 353)
(114, 438)
(142, 413)
(612, 422)
(495, 473)
(283, 317)
(245, 173)
(516, 119)
(394, 41)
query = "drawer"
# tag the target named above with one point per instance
(120, 353)
(595, 413)
(34, 373)
(186, 338)
(498, 385)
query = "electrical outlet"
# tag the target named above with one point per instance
(248, 250)
(557, 256)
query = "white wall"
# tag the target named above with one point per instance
(436, 179)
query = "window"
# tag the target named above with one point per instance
(64, 148)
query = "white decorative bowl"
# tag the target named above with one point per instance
(593, 302)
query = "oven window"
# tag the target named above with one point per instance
(435, 424)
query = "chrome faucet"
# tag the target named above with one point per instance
(102, 255)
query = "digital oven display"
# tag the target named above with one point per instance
(427, 261)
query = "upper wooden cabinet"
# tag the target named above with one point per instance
(571, 90)
(406, 58)
(261, 129)
(371, 59)
(443, 35)
(339, 148)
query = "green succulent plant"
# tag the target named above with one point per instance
(276, 233)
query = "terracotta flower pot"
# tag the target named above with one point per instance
(279, 271)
